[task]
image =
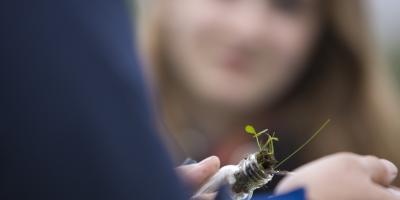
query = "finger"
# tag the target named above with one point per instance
(383, 193)
(210, 196)
(381, 171)
(197, 174)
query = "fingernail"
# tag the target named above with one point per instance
(391, 168)
(209, 159)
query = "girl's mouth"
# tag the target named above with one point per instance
(236, 63)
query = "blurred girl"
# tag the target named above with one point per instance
(286, 65)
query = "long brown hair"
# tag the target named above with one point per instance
(347, 81)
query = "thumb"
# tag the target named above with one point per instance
(381, 171)
(197, 174)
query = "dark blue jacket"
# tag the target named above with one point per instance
(75, 121)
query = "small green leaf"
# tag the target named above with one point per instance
(250, 129)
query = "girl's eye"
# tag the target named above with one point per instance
(288, 6)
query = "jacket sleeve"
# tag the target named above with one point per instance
(74, 116)
(298, 194)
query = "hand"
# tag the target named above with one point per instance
(197, 174)
(344, 176)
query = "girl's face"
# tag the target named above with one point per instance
(239, 53)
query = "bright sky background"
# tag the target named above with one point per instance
(386, 19)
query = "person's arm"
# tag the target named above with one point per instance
(75, 121)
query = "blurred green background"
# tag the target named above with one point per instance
(395, 60)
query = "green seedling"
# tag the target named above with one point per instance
(266, 153)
